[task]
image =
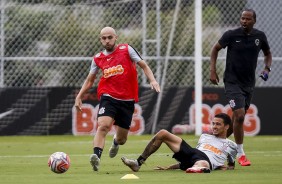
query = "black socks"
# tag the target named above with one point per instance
(141, 160)
(98, 151)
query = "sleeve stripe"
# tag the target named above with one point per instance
(136, 51)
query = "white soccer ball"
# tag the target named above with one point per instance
(59, 162)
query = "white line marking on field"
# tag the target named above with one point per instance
(71, 155)
(262, 153)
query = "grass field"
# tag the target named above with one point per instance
(23, 159)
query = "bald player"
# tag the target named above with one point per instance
(117, 91)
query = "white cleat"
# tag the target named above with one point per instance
(95, 162)
(132, 164)
(113, 149)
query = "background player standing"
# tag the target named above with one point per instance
(243, 47)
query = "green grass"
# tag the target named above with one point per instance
(23, 159)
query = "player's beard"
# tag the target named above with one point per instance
(247, 28)
(109, 47)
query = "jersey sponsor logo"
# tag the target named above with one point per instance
(85, 122)
(112, 71)
(257, 42)
(225, 145)
(122, 47)
(108, 59)
(212, 149)
(251, 121)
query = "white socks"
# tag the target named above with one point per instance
(240, 150)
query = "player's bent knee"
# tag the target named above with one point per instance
(162, 133)
(201, 163)
(121, 141)
(105, 129)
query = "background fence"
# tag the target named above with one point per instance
(48, 43)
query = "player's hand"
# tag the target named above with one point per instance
(222, 168)
(155, 85)
(78, 104)
(230, 167)
(161, 168)
(264, 75)
(214, 77)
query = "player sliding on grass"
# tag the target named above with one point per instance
(211, 152)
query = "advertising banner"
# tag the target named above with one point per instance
(50, 111)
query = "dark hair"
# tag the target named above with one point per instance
(226, 119)
(253, 11)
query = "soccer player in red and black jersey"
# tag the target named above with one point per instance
(243, 47)
(117, 91)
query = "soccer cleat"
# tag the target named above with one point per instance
(113, 149)
(132, 164)
(198, 170)
(243, 161)
(95, 162)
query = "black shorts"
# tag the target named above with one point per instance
(238, 97)
(187, 156)
(120, 111)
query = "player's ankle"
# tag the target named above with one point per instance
(141, 160)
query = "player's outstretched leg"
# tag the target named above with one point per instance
(132, 164)
(95, 162)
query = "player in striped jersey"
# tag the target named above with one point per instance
(211, 153)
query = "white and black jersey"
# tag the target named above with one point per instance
(217, 149)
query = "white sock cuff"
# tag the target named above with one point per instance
(240, 150)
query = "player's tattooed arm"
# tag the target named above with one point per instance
(171, 167)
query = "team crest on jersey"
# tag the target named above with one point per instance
(232, 103)
(225, 146)
(257, 42)
(102, 110)
(122, 47)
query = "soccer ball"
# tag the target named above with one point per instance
(59, 162)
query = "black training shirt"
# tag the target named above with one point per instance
(242, 55)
